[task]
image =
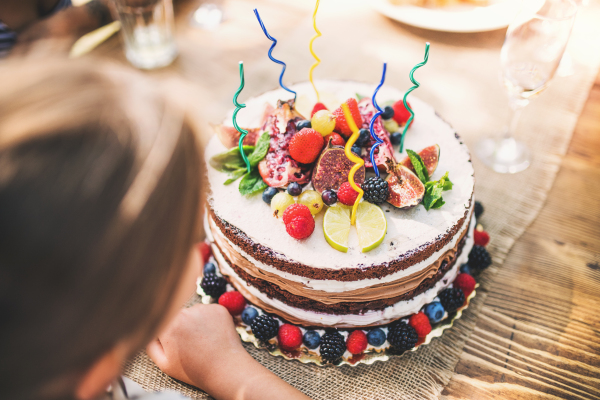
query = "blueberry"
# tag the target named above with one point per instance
(395, 138)
(376, 337)
(268, 194)
(363, 138)
(294, 189)
(356, 150)
(209, 268)
(465, 269)
(388, 112)
(311, 339)
(305, 123)
(434, 311)
(329, 197)
(249, 314)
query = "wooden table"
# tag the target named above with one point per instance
(538, 335)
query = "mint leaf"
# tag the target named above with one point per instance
(418, 165)
(252, 183)
(230, 160)
(234, 175)
(260, 150)
(433, 192)
(360, 96)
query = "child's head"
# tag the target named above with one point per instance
(99, 210)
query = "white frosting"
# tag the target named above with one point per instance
(394, 312)
(333, 286)
(407, 230)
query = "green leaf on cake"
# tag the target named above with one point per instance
(418, 165)
(252, 183)
(234, 175)
(260, 150)
(230, 160)
(433, 192)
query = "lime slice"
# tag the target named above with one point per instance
(371, 226)
(336, 226)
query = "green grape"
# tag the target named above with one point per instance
(323, 122)
(390, 125)
(280, 202)
(312, 200)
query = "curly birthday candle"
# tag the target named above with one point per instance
(318, 34)
(416, 85)
(238, 107)
(271, 38)
(377, 114)
(358, 162)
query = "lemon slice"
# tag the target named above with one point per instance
(336, 226)
(371, 226)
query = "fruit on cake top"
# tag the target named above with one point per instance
(296, 200)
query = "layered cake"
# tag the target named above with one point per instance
(298, 271)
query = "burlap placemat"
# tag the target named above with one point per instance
(461, 82)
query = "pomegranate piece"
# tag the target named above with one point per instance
(384, 151)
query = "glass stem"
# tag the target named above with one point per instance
(513, 121)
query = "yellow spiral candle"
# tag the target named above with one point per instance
(358, 162)
(318, 34)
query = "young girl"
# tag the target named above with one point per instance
(99, 216)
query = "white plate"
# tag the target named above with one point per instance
(463, 18)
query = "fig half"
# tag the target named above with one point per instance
(430, 156)
(332, 169)
(406, 189)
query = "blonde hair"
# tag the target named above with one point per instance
(99, 209)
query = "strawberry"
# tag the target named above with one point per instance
(420, 322)
(357, 342)
(341, 125)
(482, 238)
(318, 107)
(233, 301)
(401, 114)
(289, 336)
(336, 139)
(295, 210)
(205, 251)
(306, 146)
(346, 194)
(300, 227)
(466, 283)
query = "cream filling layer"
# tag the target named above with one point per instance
(370, 318)
(333, 286)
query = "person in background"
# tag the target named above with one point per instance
(23, 22)
(100, 199)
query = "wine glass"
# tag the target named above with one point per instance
(532, 50)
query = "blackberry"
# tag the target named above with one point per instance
(478, 209)
(452, 299)
(333, 347)
(479, 258)
(402, 336)
(264, 327)
(213, 285)
(376, 190)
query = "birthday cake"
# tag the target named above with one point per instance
(316, 281)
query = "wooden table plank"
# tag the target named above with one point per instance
(538, 335)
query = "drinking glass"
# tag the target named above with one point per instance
(147, 29)
(532, 50)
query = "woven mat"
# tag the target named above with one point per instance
(461, 82)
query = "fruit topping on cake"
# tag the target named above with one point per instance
(306, 145)
(332, 169)
(323, 122)
(430, 157)
(405, 188)
(383, 152)
(341, 125)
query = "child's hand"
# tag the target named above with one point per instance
(202, 348)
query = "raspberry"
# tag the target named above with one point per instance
(465, 282)
(317, 107)
(452, 299)
(401, 336)
(346, 194)
(336, 139)
(264, 327)
(295, 210)
(401, 114)
(420, 322)
(306, 146)
(482, 238)
(289, 336)
(341, 125)
(205, 251)
(300, 227)
(332, 347)
(233, 301)
(357, 342)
